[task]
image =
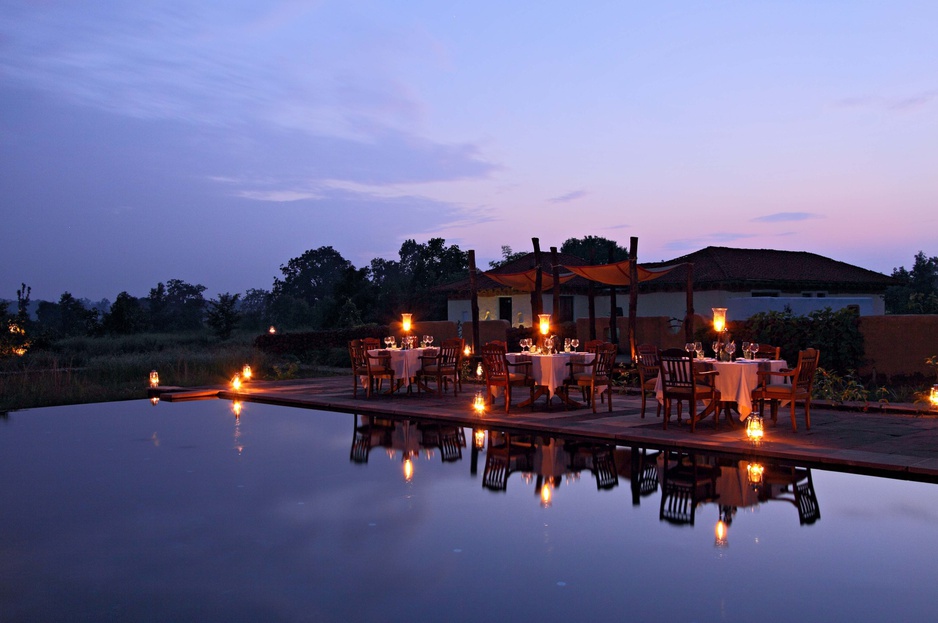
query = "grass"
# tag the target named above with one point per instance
(83, 370)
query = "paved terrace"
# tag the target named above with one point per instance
(897, 444)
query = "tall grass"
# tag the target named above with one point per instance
(80, 370)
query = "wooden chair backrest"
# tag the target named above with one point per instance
(677, 368)
(807, 366)
(450, 352)
(767, 351)
(358, 354)
(648, 360)
(605, 361)
(494, 362)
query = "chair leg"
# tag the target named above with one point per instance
(643, 404)
(807, 413)
(794, 425)
(609, 389)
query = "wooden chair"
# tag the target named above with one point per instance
(686, 482)
(444, 366)
(649, 366)
(767, 351)
(374, 369)
(598, 377)
(498, 372)
(797, 487)
(798, 388)
(680, 381)
(371, 343)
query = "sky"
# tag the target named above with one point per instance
(142, 141)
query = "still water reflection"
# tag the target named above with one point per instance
(125, 511)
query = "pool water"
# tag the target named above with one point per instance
(183, 512)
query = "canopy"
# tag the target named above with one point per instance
(617, 274)
(525, 281)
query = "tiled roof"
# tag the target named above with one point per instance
(725, 267)
(721, 268)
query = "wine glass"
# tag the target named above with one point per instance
(575, 343)
(746, 349)
(730, 349)
(566, 345)
(429, 340)
(387, 341)
(754, 348)
(716, 350)
(689, 347)
(698, 346)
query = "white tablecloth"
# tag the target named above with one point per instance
(550, 370)
(405, 363)
(735, 380)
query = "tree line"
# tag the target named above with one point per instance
(320, 289)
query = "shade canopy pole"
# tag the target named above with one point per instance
(555, 291)
(613, 333)
(536, 299)
(633, 294)
(474, 303)
(689, 316)
(591, 293)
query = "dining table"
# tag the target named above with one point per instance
(404, 362)
(549, 372)
(735, 380)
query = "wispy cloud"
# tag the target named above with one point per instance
(717, 238)
(786, 217)
(906, 103)
(571, 196)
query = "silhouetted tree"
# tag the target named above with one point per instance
(917, 292)
(222, 314)
(507, 256)
(580, 247)
(126, 316)
(177, 306)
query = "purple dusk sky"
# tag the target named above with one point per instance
(212, 142)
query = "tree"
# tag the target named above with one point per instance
(177, 306)
(917, 291)
(69, 317)
(312, 276)
(255, 309)
(126, 316)
(508, 256)
(580, 247)
(222, 314)
(425, 266)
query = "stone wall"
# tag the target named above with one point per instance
(899, 345)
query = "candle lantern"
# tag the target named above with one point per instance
(933, 397)
(755, 429)
(272, 329)
(755, 473)
(236, 382)
(154, 378)
(246, 372)
(543, 323)
(719, 319)
(478, 438)
(406, 322)
(478, 404)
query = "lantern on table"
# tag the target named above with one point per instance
(155, 379)
(719, 325)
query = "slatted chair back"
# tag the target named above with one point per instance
(494, 361)
(371, 343)
(605, 362)
(604, 468)
(648, 362)
(677, 366)
(807, 366)
(767, 351)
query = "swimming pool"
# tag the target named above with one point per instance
(125, 511)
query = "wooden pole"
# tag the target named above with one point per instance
(633, 294)
(474, 304)
(536, 299)
(555, 291)
(613, 332)
(689, 316)
(591, 294)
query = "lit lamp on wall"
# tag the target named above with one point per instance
(155, 379)
(719, 325)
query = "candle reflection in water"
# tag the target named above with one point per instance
(236, 408)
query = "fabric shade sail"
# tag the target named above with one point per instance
(524, 282)
(617, 274)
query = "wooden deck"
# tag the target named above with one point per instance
(895, 445)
